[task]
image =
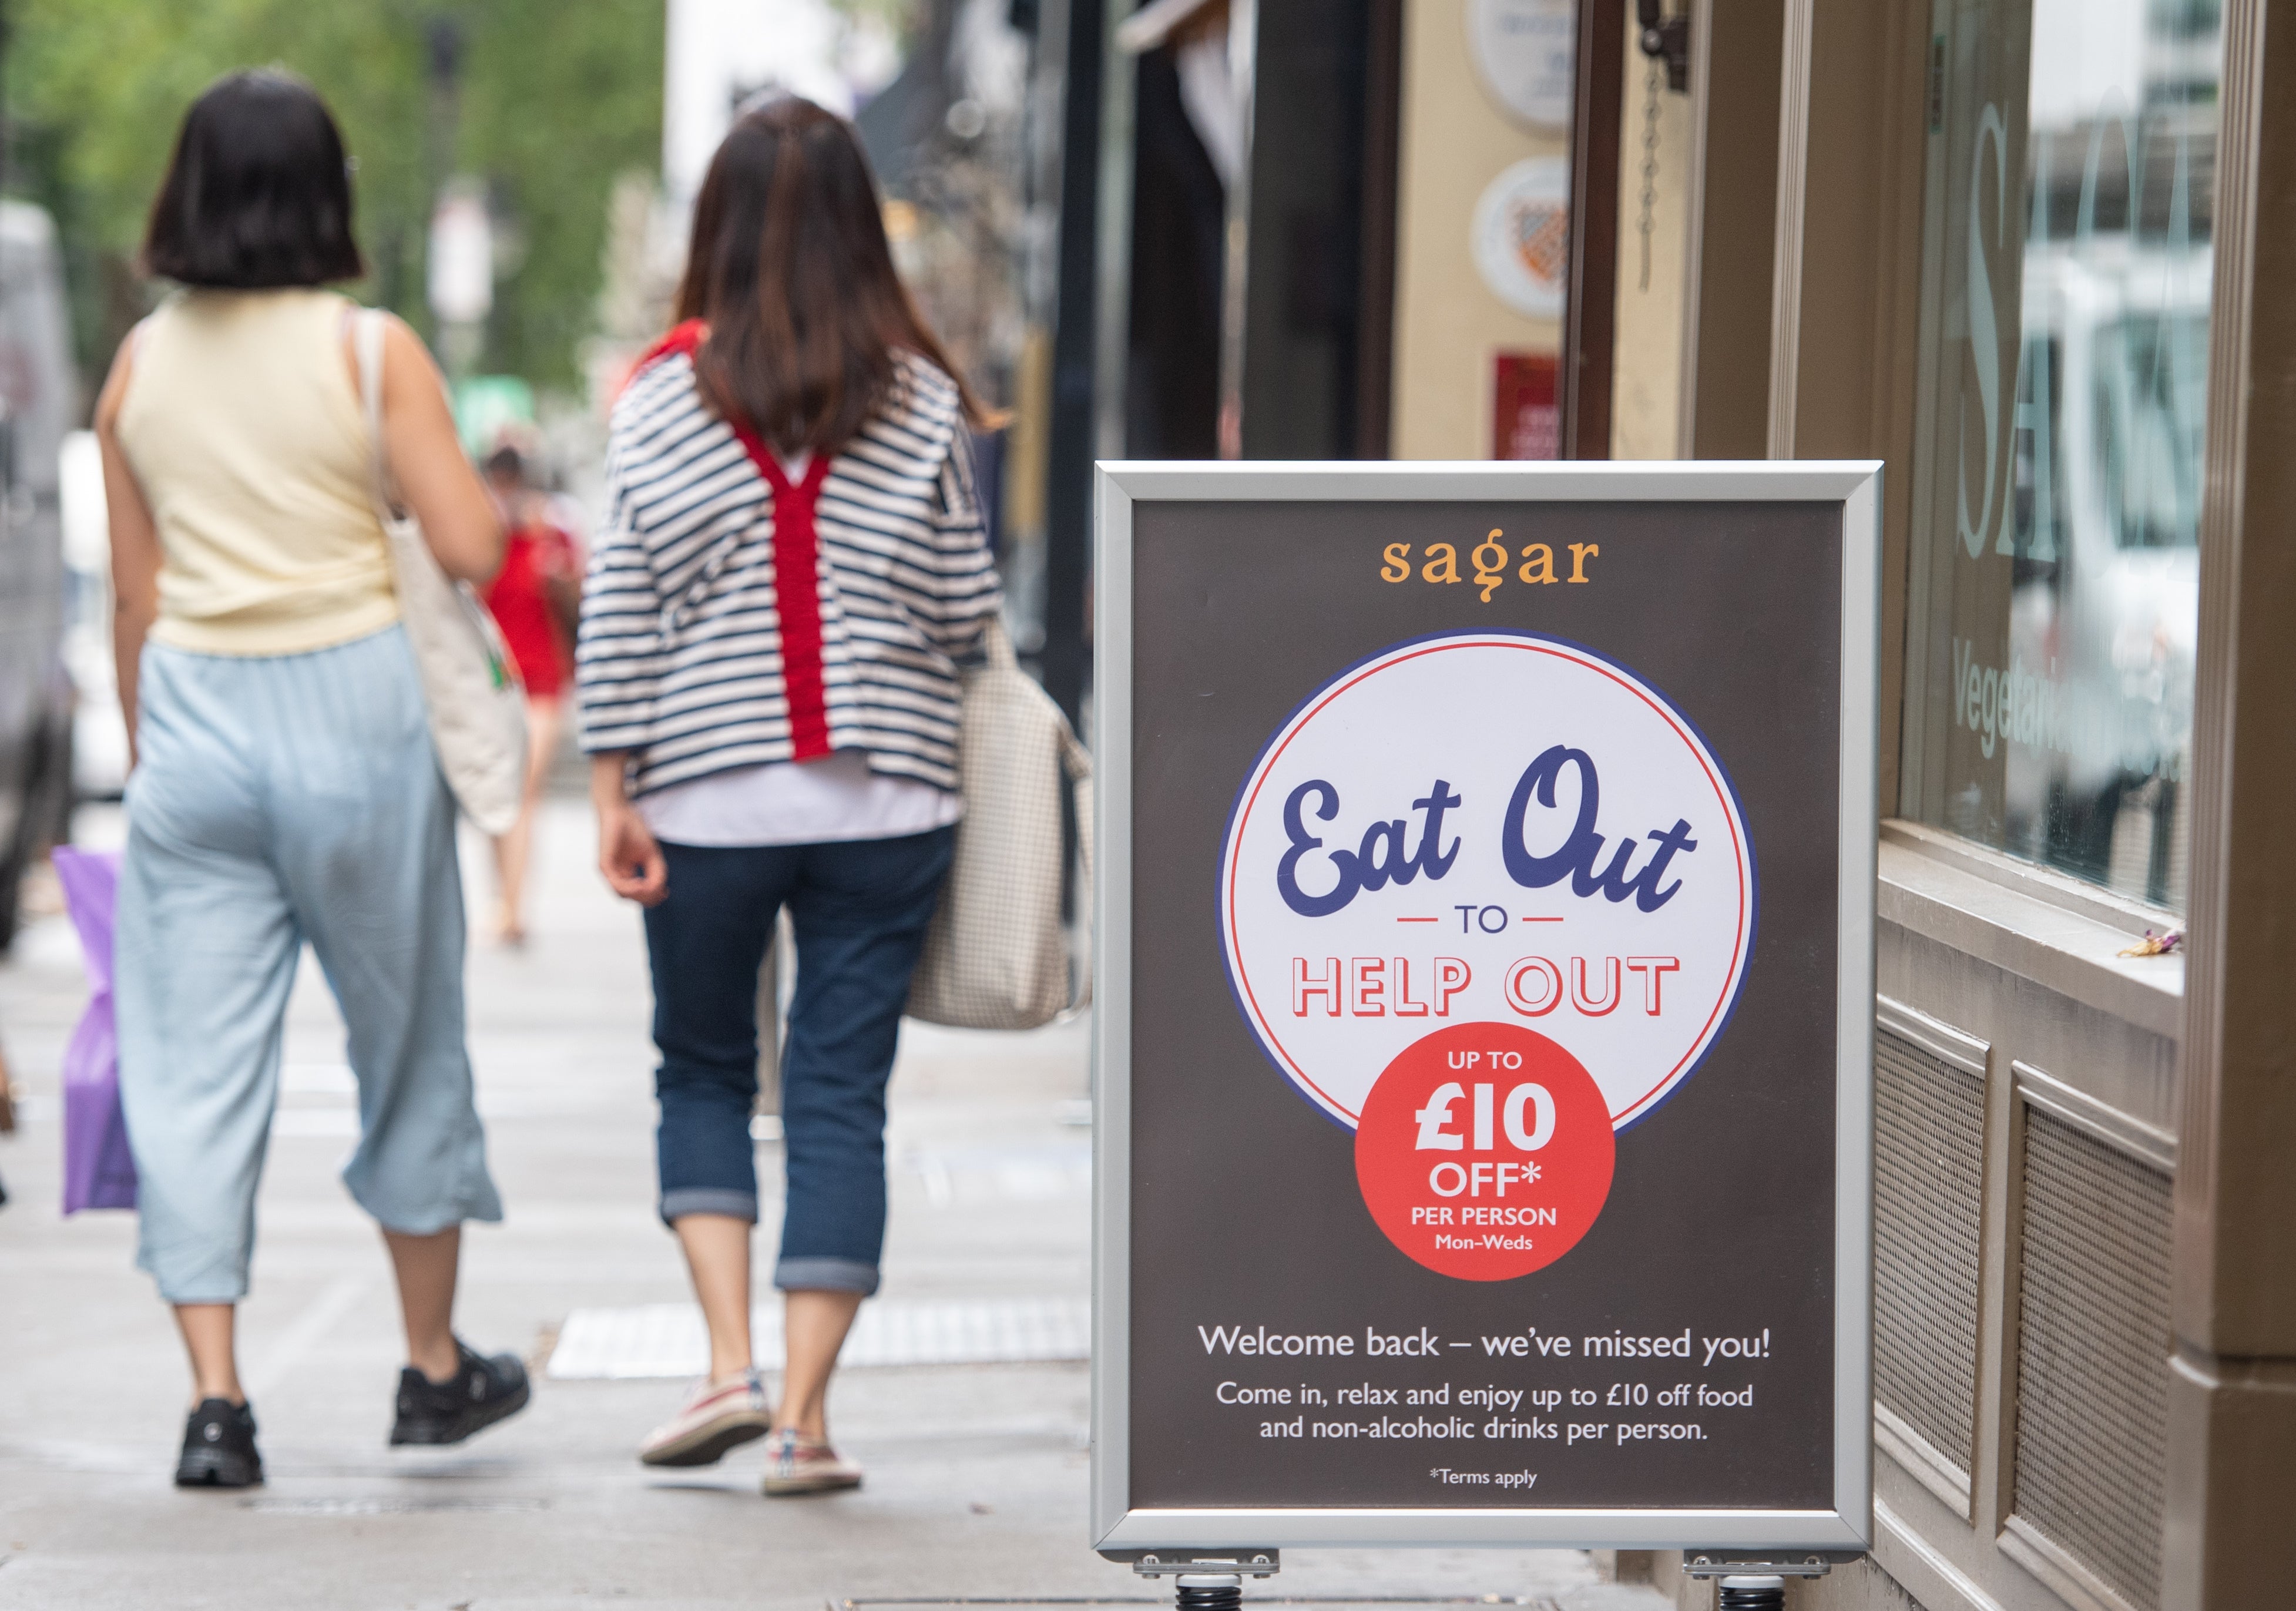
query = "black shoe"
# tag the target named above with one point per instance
(219, 1448)
(479, 1393)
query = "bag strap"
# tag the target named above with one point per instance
(998, 642)
(1075, 761)
(366, 346)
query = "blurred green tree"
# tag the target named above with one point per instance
(552, 102)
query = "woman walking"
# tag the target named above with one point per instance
(284, 784)
(792, 555)
(534, 598)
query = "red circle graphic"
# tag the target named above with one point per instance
(1485, 1151)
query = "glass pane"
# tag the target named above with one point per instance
(2057, 475)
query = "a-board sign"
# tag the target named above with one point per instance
(1485, 1000)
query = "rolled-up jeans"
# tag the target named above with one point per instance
(860, 909)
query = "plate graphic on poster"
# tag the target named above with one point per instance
(1497, 827)
(1520, 235)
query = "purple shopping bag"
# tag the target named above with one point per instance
(99, 1171)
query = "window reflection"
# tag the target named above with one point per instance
(2066, 273)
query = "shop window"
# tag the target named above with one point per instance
(2054, 596)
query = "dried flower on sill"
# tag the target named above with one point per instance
(2155, 945)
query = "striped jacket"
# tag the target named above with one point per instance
(732, 617)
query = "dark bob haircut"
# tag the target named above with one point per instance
(257, 194)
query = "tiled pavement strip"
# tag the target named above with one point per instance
(976, 1483)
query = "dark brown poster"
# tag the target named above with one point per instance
(1483, 965)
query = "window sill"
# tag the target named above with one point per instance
(2032, 923)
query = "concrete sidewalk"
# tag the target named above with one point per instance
(976, 1473)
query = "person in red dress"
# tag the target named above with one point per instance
(536, 598)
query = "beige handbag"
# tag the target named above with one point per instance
(469, 684)
(996, 956)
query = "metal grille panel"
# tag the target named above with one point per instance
(1929, 1148)
(2092, 1354)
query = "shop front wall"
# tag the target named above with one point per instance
(1481, 234)
(2026, 1064)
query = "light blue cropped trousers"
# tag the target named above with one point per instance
(275, 800)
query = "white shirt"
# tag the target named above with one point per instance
(832, 800)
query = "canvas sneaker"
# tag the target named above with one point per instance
(719, 1416)
(481, 1391)
(795, 1465)
(219, 1446)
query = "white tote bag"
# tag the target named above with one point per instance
(470, 683)
(996, 956)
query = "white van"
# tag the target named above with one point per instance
(39, 398)
(2104, 608)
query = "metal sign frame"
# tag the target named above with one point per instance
(1856, 487)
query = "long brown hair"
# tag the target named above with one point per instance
(790, 269)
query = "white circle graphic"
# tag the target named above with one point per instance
(1479, 827)
(1523, 52)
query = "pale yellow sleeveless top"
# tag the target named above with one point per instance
(245, 433)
